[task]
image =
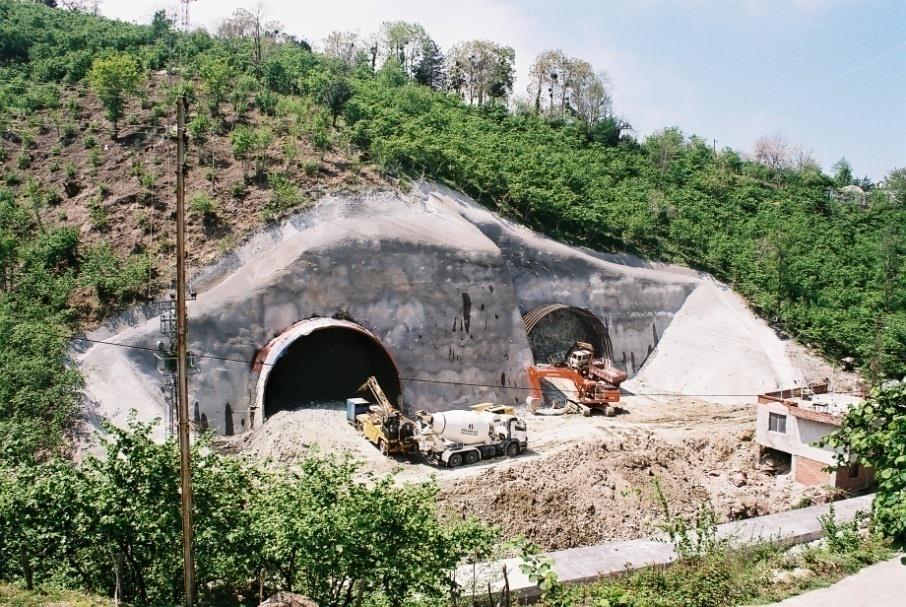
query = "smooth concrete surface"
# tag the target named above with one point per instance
(589, 563)
(880, 585)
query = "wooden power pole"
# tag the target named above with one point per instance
(182, 372)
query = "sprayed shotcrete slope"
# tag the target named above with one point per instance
(442, 284)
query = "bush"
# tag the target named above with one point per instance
(97, 214)
(285, 196)
(692, 539)
(310, 167)
(238, 189)
(68, 132)
(115, 280)
(203, 206)
(245, 86)
(267, 102)
(200, 127)
(320, 530)
(874, 434)
(95, 157)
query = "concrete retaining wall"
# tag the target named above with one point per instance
(590, 563)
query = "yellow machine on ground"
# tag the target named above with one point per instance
(384, 425)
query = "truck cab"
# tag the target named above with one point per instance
(579, 359)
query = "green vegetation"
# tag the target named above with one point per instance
(316, 529)
(717, 573)
(823, 269)
(202, 205)
(113, 79)
(12, 596)
(874, 434)
(812, 262)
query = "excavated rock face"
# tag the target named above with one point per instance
(439, 283)
(553, 328)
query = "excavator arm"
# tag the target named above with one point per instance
(371, 384)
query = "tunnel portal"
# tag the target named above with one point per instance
(322, 360)
(553, 328)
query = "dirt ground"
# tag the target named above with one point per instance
(584, 480)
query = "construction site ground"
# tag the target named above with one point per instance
(584, 480)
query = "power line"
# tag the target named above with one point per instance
(862, 65)
(426, 380)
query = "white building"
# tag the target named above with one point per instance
(792, 421)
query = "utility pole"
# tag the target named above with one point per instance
(182, 371)
(184, 22)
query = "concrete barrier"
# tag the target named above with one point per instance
(590, 563)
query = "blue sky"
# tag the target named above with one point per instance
(826, 74)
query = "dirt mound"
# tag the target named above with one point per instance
(607, 490)
(586, 480)
(288, 436)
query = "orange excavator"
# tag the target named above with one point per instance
(585, 384)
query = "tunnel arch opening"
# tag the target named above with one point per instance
(553, 328)
(321, 360)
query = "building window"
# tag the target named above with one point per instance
(854, 470)
(777, 422)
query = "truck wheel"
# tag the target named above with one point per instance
(471, 457)
(512, 449)
(454, 460)
(382, 445)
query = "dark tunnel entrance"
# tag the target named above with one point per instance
(553, 328)
(326, 364)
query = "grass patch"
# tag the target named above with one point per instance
(16, 597)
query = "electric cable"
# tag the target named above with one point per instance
(425, 380)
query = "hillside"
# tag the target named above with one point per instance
(85, 211)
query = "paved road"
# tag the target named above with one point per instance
(881, 585)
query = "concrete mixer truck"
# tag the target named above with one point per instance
(454, 438)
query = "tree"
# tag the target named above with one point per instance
(161, 25)
(403, 41)
(114, 79)
(772, 152)
(541, 75)
(843, 173)
(481, 71)
(874, 434)
(430, 68)
(252, 26)
(570, 86)
(242, 140)
(334, 96)
(592, 101)
(215, 75)
(803, 158)
(324, 528)
(343, 46)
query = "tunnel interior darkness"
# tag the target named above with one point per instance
(553, 329)
(328, 365)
